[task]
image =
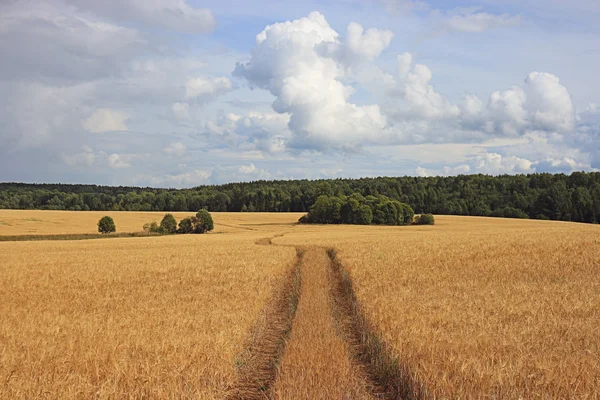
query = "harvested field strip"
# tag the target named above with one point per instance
(388, 377)
(257, 366)
(317, 362)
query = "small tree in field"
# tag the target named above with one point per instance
(204, 222)
(106, 225)
(186, 225)
(201, 223)
(168, 224)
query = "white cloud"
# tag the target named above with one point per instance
(177, 149)
(496, 164)
(422, 100)
(289, 60)
(205, 89)
(177, 15)
(472, 21)
(247, 169)
(364, 45)
(105, 120)
(265, 132)
(181, 111)
(186, 179)
(118, 161)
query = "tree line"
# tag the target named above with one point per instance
(574, 197)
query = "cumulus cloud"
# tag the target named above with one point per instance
(541, 104)
(204, 89)
(289, 60)
(247, 169)
(486, 163)
(105, 120)
(177, 15)
(422, 100)
(265, 132)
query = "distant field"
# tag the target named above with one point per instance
(473, 308)
(29, 222)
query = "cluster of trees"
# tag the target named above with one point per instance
(574, 197)
(359, 210)
(202, 222)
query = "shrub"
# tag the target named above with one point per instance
(186, 225)
(204, 221)
(425, 219)
(168, 225)
(201, 223)
(151, 227)
(106, 225)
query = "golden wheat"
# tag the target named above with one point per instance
(480, 307)
(160, 317)
(474, 307)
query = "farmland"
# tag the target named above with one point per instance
(472, 307)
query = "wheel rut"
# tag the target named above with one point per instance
(313, 341)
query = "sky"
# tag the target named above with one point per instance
(181, 93)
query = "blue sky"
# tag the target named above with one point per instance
(178, 93)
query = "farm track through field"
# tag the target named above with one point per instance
(332, 351)
(257, 367)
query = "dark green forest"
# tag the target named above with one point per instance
(574, 197)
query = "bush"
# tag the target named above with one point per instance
(205, 221)
(168, 225)
(201, 223)
(106, 225)
(151, 227)
(186, 225)
(425, 219)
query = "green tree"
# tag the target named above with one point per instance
(204, 221)
(168, 224)
(187, 225)
(106, 225)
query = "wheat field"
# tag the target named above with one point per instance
(481, 307)
(471, 307)
(160, 317)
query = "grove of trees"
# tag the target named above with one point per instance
(574, 197)
(359, 210)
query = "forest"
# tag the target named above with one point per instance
(574, 197)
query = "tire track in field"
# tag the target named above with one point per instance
(257, 366)
(388, 377)
(317, 362)
(383, 374)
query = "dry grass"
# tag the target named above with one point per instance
(158, 317)
(481, 307)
